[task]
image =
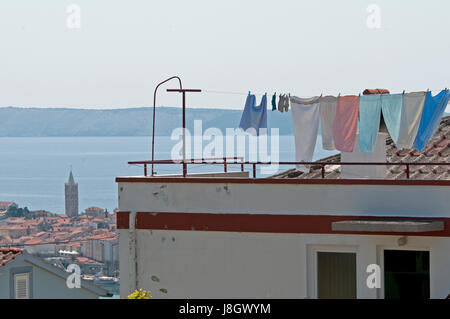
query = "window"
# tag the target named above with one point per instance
(336, 275)
(22, 286)
(406, 274)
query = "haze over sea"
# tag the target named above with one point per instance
(33, 170)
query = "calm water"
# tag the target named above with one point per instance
(33, 170)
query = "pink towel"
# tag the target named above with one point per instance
(345, 123)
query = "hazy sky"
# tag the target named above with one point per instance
(124, 48)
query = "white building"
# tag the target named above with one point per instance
(293, 235)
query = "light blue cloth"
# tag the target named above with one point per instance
(391, 106)
(431, 117)
(254, 116)
(369, 121)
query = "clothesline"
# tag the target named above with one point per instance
(411, 120)
(258, 93)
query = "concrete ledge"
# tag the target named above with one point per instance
(394, 226)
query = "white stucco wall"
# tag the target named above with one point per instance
(324, 199)
(193, 264)
(201, 264)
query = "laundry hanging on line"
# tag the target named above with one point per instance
(305, 118)
(345, 123)
(411, 114)
(411, 119)
(254, 117)
(328, 105)
(283, 103)
(431, 117)
(369, 121)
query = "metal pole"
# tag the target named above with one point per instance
(183, 91)
(184, 135)
(154, 113)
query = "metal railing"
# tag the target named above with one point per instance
(240, 161)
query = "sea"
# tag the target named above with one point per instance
(33, 170)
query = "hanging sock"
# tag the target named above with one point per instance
(328, 105)
(412, 108)
(274, 104)
(391, 107)
(280, 102)
(433, 110)
(254, 117)
(369, 121)
(305, 117)
(345, 123)
(286, 103)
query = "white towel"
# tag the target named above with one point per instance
(328, 106)
(410, 119)
(305, 117)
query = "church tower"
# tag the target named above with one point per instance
(71, 195)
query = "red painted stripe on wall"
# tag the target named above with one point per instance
(260, 223)
(123, 220)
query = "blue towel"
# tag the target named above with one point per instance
(391, 106)
(369, 121)
(431, 116)
(254, 116)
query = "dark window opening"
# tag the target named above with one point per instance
(406, 274)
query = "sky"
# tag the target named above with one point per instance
(122, 49)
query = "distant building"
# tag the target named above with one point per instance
(71, 196)
(5, 205)
(95, 212)
(24, 276)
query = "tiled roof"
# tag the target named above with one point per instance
(33, 241)
(94, 208)
(85, 260)
(436, 151)
(9, 254)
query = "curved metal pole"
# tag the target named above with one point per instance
(154, 113)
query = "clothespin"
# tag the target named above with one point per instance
(403, 92)
(339, 95)
(248, 92)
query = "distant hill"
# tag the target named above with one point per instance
(36, 122)
(27, 122)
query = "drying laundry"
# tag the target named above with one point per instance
(431, 116)
(328, 106)
(254, 117)
(283, 103)
(274, 104)
(391, 107)
(305, 118)
(369, 121)
(345, 123)
(410, 119)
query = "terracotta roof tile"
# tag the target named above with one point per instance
(9, 254)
